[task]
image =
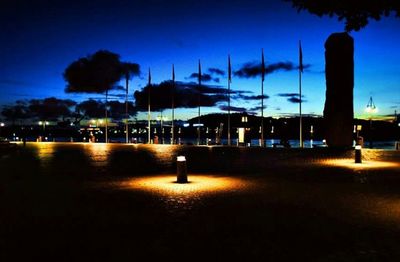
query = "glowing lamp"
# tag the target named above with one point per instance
(181, 169)
(357, 154)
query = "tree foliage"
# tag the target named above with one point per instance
(19, 111)
(95, 109)
(355, 13)
(51, 108)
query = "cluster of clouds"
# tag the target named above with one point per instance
(102, 71)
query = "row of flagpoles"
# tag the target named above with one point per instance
(263, 71)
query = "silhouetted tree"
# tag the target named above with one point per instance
(118, 110)
(91, 109)
(94, 109)
(51, 108)
(20, 111)
(356, 13)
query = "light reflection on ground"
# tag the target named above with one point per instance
(162, 151)
(198, 184)
(98, 153)
(366, 164)
(45, 152)
(181, 197)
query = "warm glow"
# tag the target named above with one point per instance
(45, 152)
(366, 164)
(161, 151)
(198, 184)
(98, 152)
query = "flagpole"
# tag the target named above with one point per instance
(126, 111)
(262, 96)
(229, 100)
(198, 127)
(106, 128)
(149, 111)
(300, 100)
(173, 104)
(301, 117)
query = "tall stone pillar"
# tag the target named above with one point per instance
(339, 74)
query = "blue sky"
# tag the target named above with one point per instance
(41, 38)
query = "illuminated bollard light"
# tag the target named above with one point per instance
(181, 169)
(357, 154)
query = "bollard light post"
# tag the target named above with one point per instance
(357, 154)
(181, 169)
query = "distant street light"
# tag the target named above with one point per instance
(43, 124)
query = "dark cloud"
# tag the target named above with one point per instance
(98, 73)
(186, 95)
(257, 108)
(233, 108)
(216, 71)
(292, 97)
(289, 95)
(204, 77)
(251, 97)
(294, 100)
(253, 69)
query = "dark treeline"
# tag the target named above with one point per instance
(63, 110)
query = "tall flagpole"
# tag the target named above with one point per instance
(106, 125)
(229, 99)
(262, 96)
(126, 110)
(198, 126)
(173, 105)
(300, 72)
(149, 111)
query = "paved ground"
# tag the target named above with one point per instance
(64, 202)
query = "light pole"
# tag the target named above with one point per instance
(43, 124)
(370, 109)
(1, 127)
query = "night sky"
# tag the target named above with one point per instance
(40, 38)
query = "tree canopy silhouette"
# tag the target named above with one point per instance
(51, 108)
(19, 111)
(356, 13)
(98, 73)
(95, 109)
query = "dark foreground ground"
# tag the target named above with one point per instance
(70, 202)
